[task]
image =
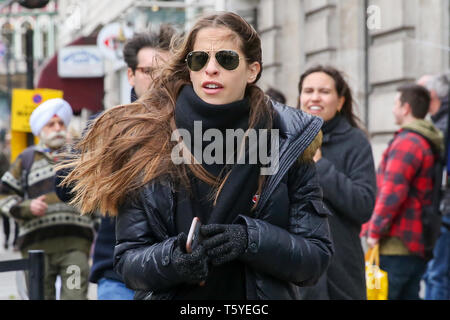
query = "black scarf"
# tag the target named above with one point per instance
(241, 185)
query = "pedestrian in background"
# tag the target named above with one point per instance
(262, 238)
(438, 86)
(143, 53)
(405, 184)
(46, 223)
(5, 156)
(437, 276)
(346, 171)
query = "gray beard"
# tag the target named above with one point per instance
(54, 140)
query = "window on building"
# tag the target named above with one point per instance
(45, 51)
(23, 29)
(43, 37)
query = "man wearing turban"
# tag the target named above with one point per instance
(49, 122)
(47, 223)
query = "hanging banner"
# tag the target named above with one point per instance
(80, 62)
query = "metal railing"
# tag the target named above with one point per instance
(34, 264)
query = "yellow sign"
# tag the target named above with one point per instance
(24, 101)
(19, 141)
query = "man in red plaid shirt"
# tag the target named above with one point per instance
(405, 183)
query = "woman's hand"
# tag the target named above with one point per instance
(191, 267)
(318, 155)
(224, 242)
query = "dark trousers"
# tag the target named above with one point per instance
(7, 229)
(404, 275)
(437, 276)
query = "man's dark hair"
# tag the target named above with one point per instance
(157, 40)
(418, 98)
(276, 95)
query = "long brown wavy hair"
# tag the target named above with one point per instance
(130, 145)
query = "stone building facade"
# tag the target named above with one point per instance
(378, 44)
(15, 20)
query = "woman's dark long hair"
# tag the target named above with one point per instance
(342, 89)
(130, 145)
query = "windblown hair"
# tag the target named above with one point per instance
(130, 145)
(342, 89)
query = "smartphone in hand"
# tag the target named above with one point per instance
(194, 236)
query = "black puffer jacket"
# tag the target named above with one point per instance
(288, 236)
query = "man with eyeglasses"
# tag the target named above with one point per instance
(142, 54)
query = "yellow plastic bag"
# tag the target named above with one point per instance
(376, 279)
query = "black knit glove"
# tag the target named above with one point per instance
(191, 267)
(224, 242)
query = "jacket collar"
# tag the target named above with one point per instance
(442, 112)
(427, 130)
(133, 95)
(297, 129)
(336, 126)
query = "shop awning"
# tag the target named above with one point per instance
(81, 93)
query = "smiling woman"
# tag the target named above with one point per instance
(319, 96)
(250, 222)
(346, 173)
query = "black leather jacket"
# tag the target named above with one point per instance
(289, 241)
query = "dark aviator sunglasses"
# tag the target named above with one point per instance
(228, 59)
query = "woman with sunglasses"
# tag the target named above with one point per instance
(346, 172)
(262, 236)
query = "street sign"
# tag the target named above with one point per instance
(80, 62)
(24, 101)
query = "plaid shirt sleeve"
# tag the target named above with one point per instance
(401, 161)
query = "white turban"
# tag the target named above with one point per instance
(46, 110)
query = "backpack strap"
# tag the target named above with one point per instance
(431, 215)
(27, 158)
(438, 172)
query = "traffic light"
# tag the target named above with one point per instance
(33, 4)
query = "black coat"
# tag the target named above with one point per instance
(288, 236)
(440, 119)
(348, 179)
